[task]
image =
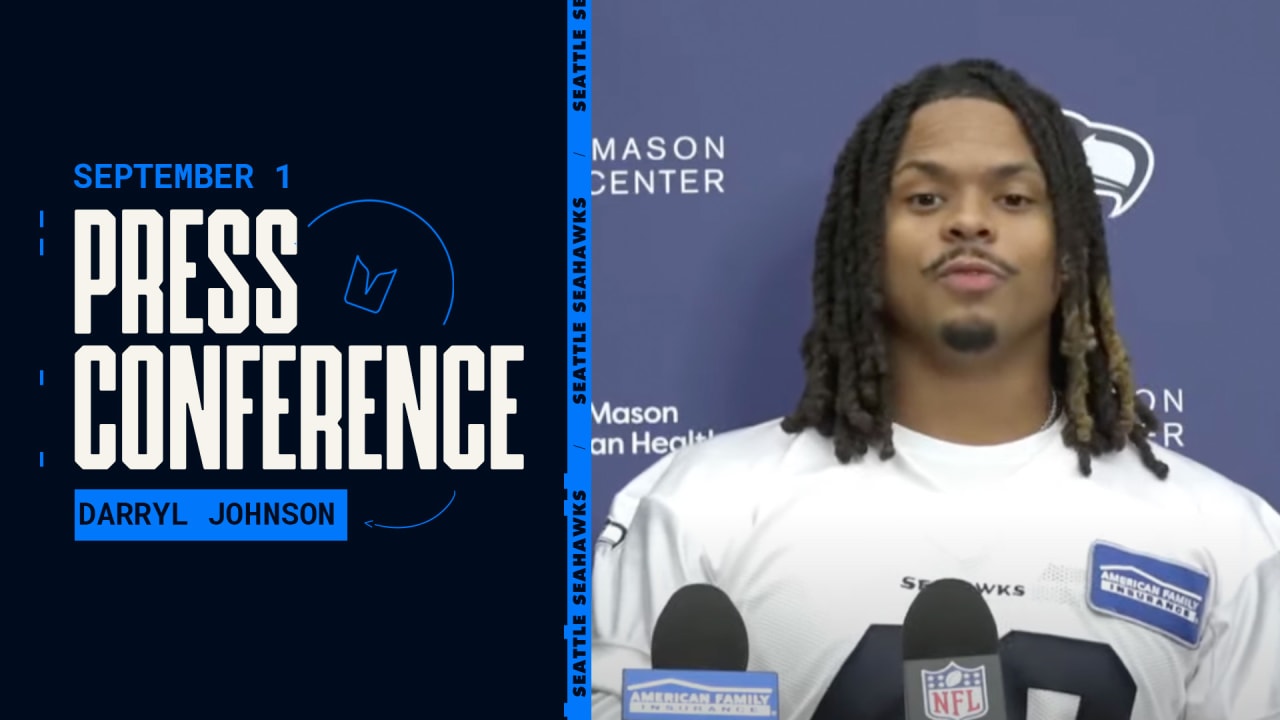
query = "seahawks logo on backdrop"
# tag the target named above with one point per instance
(1121, 161)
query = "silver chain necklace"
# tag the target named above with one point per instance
(1053, 412)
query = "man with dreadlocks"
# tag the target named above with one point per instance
(969, 411)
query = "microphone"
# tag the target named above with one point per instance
(700, 629)
(700, 651)
(950, 651)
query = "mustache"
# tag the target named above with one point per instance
(977, 253)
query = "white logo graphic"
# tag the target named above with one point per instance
(1121, 161)
(641, 430)
(672, 696)
(658, 165)
(1130, 582)
(1168, 403)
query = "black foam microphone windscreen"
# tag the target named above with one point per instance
(948, 618)
(950, 652)
(700, 629)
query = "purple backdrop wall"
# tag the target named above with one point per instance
(717, 124)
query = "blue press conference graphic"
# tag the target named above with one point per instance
(228, 514)
(261, 403)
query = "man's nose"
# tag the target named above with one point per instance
(970, 221)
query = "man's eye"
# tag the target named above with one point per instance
(924, 200)
(1015, 201)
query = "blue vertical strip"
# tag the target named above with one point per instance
(577, 480)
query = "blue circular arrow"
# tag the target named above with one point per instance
(421, 220)
(372, 524)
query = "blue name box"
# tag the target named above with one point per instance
(210, 515)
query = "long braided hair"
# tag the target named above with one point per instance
(847, 389)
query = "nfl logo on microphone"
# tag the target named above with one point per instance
(955, 692)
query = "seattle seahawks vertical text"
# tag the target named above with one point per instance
(577, 478)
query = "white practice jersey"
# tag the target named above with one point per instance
(1116, 595)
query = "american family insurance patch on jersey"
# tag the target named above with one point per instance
(1159, 595)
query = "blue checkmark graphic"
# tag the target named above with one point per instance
(371, 285)
(366, 295)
